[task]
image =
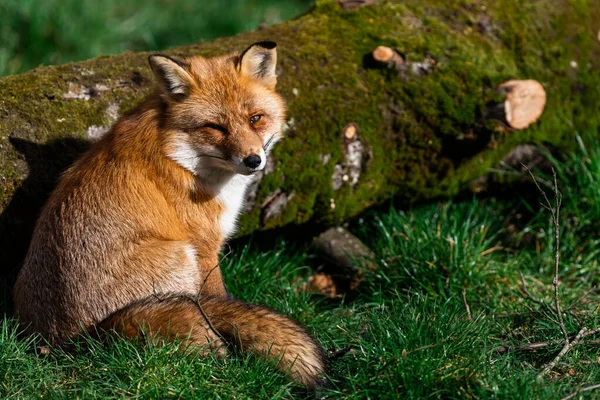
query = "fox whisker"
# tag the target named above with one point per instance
(266, 146)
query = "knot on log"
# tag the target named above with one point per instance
(354, 4)
(350, 169)
(111, 115)
(79, 92)
(274, 204)
(424, 67)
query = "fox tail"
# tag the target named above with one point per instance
(211, 321)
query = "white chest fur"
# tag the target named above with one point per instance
(232, 196)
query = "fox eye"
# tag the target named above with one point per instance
(215, 127)
(255, 118)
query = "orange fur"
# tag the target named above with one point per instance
(143, 215)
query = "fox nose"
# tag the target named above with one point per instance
(252, 161)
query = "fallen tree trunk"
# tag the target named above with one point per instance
(358, 133)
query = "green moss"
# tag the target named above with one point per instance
(448, 102)
(411, 123)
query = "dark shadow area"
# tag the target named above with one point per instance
(460, 148)
(46, 162)
(517, 189)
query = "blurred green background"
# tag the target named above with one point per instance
(44, 32)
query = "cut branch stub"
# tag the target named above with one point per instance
(387, 57)
(524, 103)
(350, 131)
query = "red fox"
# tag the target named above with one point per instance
(130, 237)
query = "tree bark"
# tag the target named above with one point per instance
(418, 130)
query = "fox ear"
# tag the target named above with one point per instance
(259, 61)
(171, 75)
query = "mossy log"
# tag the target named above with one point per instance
(417, 130)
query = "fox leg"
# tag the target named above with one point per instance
(175, 317)
(269, 334)
(212, 281)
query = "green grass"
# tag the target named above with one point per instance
(407, 327)
(36, 32)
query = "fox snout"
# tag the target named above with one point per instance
(253, 162)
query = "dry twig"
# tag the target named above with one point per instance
(566, 348)
(207, 318)
(516, 314)
(429, 346)
(568, 344)
(524, 289)
(542, 303)
(491, 250)
(406, 353)
(585, 389)
(196, 300)
(540, 345)
(555, 212)
(464, 295)
(582, 297)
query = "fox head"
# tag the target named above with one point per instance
(221, 114)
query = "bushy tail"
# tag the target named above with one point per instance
(207, 322)
(269, 334)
